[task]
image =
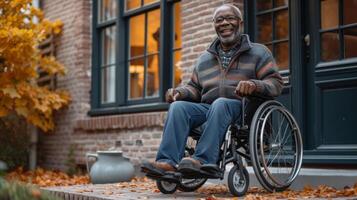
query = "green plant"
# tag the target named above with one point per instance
(18, 191)
(14, 141)
(71, 161)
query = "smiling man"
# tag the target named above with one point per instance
(230, 68)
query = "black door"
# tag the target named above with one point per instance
(315, 45)
(330, 62)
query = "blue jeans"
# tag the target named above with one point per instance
(184, 116)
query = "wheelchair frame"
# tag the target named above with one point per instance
(246, 138)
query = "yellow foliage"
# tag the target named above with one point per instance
(22, 29)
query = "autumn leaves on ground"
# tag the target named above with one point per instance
(46, 178)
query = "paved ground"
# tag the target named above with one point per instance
(148, 190)
(142, 188)
(116, 191)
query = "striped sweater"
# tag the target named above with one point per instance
(252, 61)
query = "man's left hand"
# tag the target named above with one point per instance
(245, 88)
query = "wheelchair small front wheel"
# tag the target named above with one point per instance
(238, 184)
(166, 187)
(190, 185)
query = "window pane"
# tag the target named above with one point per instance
(264, 5)
(137, 35)
(107, 9)
(177, 68)
(350, 37)
(330, 46)
(136, 78)
(279, 3)
(150, 1)
(264, 28)
(282, 55)
(282, 24)
(177, 21)
(108, 84)
(132, 4)
(329, 14)
(153, 37)
(349, 14)
(153, 76)
(108, 46)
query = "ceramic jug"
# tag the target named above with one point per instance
(109, 167)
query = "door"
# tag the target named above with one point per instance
(331, 80)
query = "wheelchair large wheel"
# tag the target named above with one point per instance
(275, 146)
(190, 185)
(237, 184)
(166, 187)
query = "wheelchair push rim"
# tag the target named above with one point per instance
(276, 154)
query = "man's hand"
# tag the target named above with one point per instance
(172, 95)
(245, 88)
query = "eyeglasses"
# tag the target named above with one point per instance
(229, 19)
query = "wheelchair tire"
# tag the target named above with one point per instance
(190, 185)
(270, 144)
(166, 187)
(238, 185)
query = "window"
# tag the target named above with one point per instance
(144, 55)
(272, 29)
(107, 13)
(338, 29)
(135, 57)
(176, 51)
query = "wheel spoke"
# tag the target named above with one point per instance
(286, 128)
(274, 158)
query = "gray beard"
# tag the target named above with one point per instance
(231, 39)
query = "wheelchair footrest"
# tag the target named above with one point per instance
(206, 171)
(172, 177)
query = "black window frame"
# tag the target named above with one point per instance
(250, 27)
(122, 104)
(340, 28)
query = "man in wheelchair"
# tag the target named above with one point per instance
(232, 67)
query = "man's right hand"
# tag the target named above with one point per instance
(172, 95)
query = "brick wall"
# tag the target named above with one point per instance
(74, 51)
(137, 135)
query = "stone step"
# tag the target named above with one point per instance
(337, 178)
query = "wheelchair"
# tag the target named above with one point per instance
(272, 145)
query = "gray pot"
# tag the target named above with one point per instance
(110, 167)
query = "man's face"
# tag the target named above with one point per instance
(227, 25)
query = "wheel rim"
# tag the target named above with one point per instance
(238, 182)
(279, 158)
(168, 186)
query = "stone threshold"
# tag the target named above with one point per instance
(337, 178)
